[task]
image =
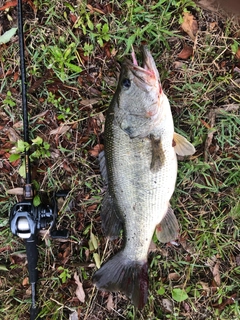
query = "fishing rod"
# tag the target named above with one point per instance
(26, 220)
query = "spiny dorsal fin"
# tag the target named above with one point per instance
(168, 229)
(182, 147)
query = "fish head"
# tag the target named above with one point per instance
(139, 96)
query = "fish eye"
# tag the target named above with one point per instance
(126, 83)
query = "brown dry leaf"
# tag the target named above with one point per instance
(213, 25)
(189, 25)
(216, 273)
(110, 304)
(13, 136)
(178, 64)
(88, 102)
(186, 52)
(25, 281)
(168, 305)
(29, 291)
(91, 208)
(205, 287)
(92, 9)
(238, 53)
(96, 150)
(16, 191)
(60, 130)
(79, 291)
(173, 276)
(73, 17)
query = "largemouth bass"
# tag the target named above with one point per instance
(139, 165)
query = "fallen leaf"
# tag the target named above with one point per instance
(88, 102)
(73, 316)
(6, 37)
(73, 17)
(186, 307)
(94, 152)
(92, 9)
(213, 25)
(238, 53)
(186, 52)
(189, 25)
(167, 304)
(9, 4)
(178, 64)
(79, 291)
(110, 304)
(216, 273)
(226, 302)
(13, 136)
(173, 276)
(60, 130)
(15, 191)
(205, 287)
(25, 281)
(14, 4)
(29, 291)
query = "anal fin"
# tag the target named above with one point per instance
(168, 229)
(182, 146)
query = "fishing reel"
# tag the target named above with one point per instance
(26, 219)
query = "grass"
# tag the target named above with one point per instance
(72, 54)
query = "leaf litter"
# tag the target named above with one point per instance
(76, 139)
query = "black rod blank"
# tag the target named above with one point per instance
(24, 100)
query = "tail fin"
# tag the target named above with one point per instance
(122, 274)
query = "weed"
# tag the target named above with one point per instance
(71, 53)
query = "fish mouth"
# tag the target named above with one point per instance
(148, 71)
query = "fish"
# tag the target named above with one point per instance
(139, 167)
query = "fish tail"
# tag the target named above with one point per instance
(125, 275)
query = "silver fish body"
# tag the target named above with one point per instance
(141, 171)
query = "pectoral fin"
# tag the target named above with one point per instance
(111, 223)
(182, 146)
(168, 229)
(158, 156)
